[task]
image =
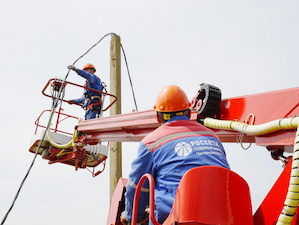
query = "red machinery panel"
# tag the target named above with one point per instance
(212, 195)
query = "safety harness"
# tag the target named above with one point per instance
(94, 105)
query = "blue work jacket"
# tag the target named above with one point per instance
(94, 82)
(167, 154)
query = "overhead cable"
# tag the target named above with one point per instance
(54, 106)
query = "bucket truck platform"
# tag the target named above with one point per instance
(95, 154)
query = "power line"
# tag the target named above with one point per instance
(54, 106)
(129, 76)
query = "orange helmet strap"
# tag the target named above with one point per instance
(163, 117)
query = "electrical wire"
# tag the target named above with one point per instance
(122, 48)
(25, 178)
(54, 106)
(124, 54)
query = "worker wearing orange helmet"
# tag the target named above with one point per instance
(178, 145)
(91, 100)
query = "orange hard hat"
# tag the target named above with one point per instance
(89, 66)
(172, 99)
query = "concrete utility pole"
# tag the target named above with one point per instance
(115, 89)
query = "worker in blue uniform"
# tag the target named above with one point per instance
(167, 153)
(91, 101)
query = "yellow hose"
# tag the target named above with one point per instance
(292, 198)
(60, 146)
(267, 128)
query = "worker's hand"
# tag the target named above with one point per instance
(123, 218)
(146, 217)
(124, 221)
(72, 102)
(72, 67)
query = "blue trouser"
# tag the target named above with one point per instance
(93, 111)
(91, 114)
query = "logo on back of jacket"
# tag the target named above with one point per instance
(201, 147)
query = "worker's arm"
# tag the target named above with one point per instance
(82, 73)
(79, 101)
(88, 76)
(141, 165)
(92, 79)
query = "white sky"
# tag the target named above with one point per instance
(242, 47)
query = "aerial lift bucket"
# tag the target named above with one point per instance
(206, 195)
(211, 195)
(64, 147)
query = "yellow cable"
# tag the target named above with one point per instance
(292, 197)
(60, 153)
(267, 128)
(63, 152)
(240, 138)
(60, 146)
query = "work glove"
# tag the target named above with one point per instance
(144, 221)
(72, 67)
(72, 102)
(123, 218)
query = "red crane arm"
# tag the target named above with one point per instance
(265, 107)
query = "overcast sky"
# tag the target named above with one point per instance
(242, 47)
